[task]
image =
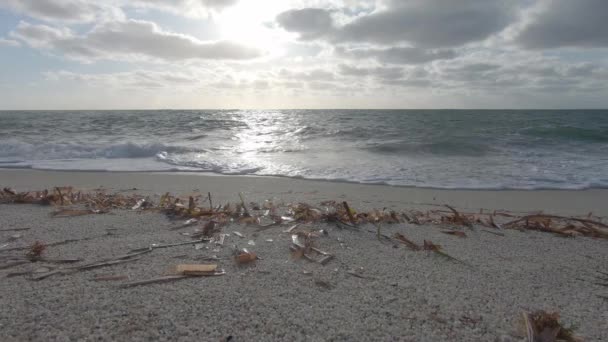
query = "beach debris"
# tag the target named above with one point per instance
(218, 239)
(409, 243)
(358, 273)
(93, 265)
(326, 285)
(13, 264)
(457, 218)
(244, 206)
(243, 256)
(195, 269)
(303, 247)
(340, 213)
(455, 233)
(437, 249)
(351, 213)
(14, 237)
(169, 278)
(543, 326)
(188, 223)
(494, 233)
(251, 243)
(157, 246)
(238, 234)
(14, 229)
(35, 251)
(110, 277)
(76, 212)
(290, 229)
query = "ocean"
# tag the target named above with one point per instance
(456, 149)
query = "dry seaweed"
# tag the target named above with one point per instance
(437, 249)
(339, 213)
(455, 233)
(35, 251)
(543, 326)
(402, 239)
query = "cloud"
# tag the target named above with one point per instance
(310, 23)
(138, 79)
(398, 55)
(431, 23)
(385, 73)
(9, 42)
(307, 75)
(188, 8)
(128, 40)
(63, 10)
(567, 23)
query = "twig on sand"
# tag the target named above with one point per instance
(247, 214)
(168, 278)
(494, 233)
(97, 264)
(154, 246)
(349, 213)
(14, 229)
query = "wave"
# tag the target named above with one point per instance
(28, 151)
(441, 148)
(598, 135)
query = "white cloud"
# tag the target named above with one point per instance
(129, 40)
(138, 79)
(75, 11)
(9, 42)
(187, 8)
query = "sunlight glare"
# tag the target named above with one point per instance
(250, 22)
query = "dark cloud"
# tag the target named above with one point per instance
(567, 23)
(310, 23)
(127, 40)
(398, 55)
(430, 23)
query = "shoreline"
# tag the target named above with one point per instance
(341, 181)
(227, 187)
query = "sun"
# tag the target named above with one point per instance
(252, 23)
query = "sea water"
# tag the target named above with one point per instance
(467, 149)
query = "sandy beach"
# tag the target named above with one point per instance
(372, 290)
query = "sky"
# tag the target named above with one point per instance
(207, 54)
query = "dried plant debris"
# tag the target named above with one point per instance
(212, 219)
(455, 233)
(303, 247)
(543, 326)
(409, 243)
(110, 277)
(195, 269)
(437, 249)
(243, 256)
(35, 251)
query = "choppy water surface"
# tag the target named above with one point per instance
(445, 149)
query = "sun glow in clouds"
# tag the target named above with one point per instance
(251, 23)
